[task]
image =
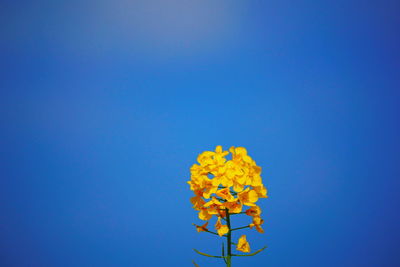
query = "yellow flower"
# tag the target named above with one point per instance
(221, 229)
(248, 197)
(202, 228)
(197, 170)
(213, 206)
(257, 221)
(233, 206)
(219, 156)
(205, 158)
(261, 191)
(240, 174)
(214, 202)
(222, 186)
(225, 194)
(254, 211)
(221, 213)
(243, 245)
(209, 190)
(195, 183)
(226, 181)
(204, 215)
(208, 187)
(219, 151)
(238, 187)
(238, 151)
(256, 180)
(197, 202)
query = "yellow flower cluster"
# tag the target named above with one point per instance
(225, 185)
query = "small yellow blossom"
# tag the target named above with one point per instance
(234, 206)
(213, 206)
(205, 158)
(202, 228)
(257, 221)
(221, 213)
(261, 191)
(238, 187)
(218, 150)
(248, 197)
(254, 211)
(225, 194)
(197, 202)
(243, 245)
(204, 215)
(221, 229)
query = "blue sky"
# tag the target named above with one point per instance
(105, 105)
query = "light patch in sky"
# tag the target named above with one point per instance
(163, 26)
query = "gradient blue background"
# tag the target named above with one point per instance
(106, 104)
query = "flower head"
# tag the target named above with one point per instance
(233, 183)
(223, 187)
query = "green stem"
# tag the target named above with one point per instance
(234, 229)
(223, 252)
(252, 254)
(229, 240)
(207, 255)
(214, 233)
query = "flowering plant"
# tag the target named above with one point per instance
(222, 188)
